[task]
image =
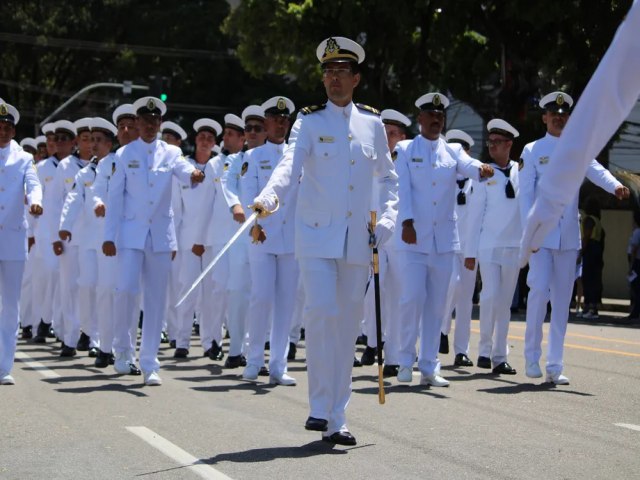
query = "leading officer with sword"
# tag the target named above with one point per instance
(340, 145)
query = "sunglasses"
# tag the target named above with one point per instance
(336, 72)
(254, 128)
(62, 138)
(491, 143)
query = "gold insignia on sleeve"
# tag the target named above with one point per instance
(436, 100)
(312, 108)
(394, 155)
(3, 109)
(521, 164)
(113, 168)
(560, 99)
(151, 104)
(244, 168)
(367, 108)
(543, 160)
(282, 104)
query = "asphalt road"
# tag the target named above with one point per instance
(65, 419)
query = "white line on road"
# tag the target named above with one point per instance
(37, 366)
(630, 426)
(176, 453)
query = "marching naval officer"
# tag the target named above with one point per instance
(17, 175)
(271, 260)
(494, 240)
(552, 267)
(427, 168)
(139, 217)
(340, 145)
(463, 280)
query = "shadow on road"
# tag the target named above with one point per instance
(132, 389)
(532, 387)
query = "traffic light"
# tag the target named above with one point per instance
(159, 86)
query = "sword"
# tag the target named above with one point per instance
(376, 291)
(213, 262)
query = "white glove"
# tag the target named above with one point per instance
(383, 233)
(267, 204)
(543, 217)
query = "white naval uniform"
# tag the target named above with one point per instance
(552, 268)
(46, 294)
(274, 269)
(79, 218)
(463, 280)
(139, 218)
(192, 204)
(17, 175)
(215, 229)
(61, 185)
(339, 148)
(239, 285)
(427, 175)
(494, 240)
(27, 317)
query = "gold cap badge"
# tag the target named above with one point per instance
(560, 99)
(436, 100)
(151, 105)
(332, 46)
(3, 109)
(282, 104)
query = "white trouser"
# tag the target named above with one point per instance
(460, 298)
(45, 297)
(275, 277)
(389, 291)
(189, 267)
(69, 272)
(334, 292)
(27, 310)
(10, 282)
(215, 298)
(152, 269)
(87, 282)
(104, 300)
(298, 309)
(239, 293)
(172, 323)
(498, 285)
(425, 280)
(551, 276)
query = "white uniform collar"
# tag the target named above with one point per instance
(278, 147)
(430, 145)
(345, 111)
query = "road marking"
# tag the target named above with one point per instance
(177, 454)
(579, 347)
(37, 366)
(588, 337)
(630, 426)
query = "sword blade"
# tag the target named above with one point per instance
(213, 262)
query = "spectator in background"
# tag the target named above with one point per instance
(592, 258)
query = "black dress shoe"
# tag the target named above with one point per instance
(235, 361)
(267, 345)
(102, 360)
(340, 438)
(302, 333)
(462, 361)
(93, 352)
(196, 329)
(316, 424)
(172, 344)
(67, 351)
(361, 340)
(27, 334)
(83, 342)
(291, 355)
(504, 369)
(389, 371)
(484, 362)
(264, 372)
(42, 332)
(368, 356)
(215, 352)
(444, 343)
(164, 338)
(356, 362)
(133, 370)
(181, 353)
(112, 359)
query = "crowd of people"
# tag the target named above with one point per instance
(109, 232)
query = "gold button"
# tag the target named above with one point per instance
(350, 187)
(433, 183)
(350, 137)
(315, 224)
(435, 203)
(353, 162)
(326, 154)
(348, 214)
(151, 184)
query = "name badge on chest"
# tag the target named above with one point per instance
(416, 160)
(543, 160)
(327, 139)
(133, 164)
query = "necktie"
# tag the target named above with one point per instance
(462, 197)
(508, 189)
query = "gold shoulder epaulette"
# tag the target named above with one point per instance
(369, 109)
(312, 108)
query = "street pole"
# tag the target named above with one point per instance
(126, 87)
